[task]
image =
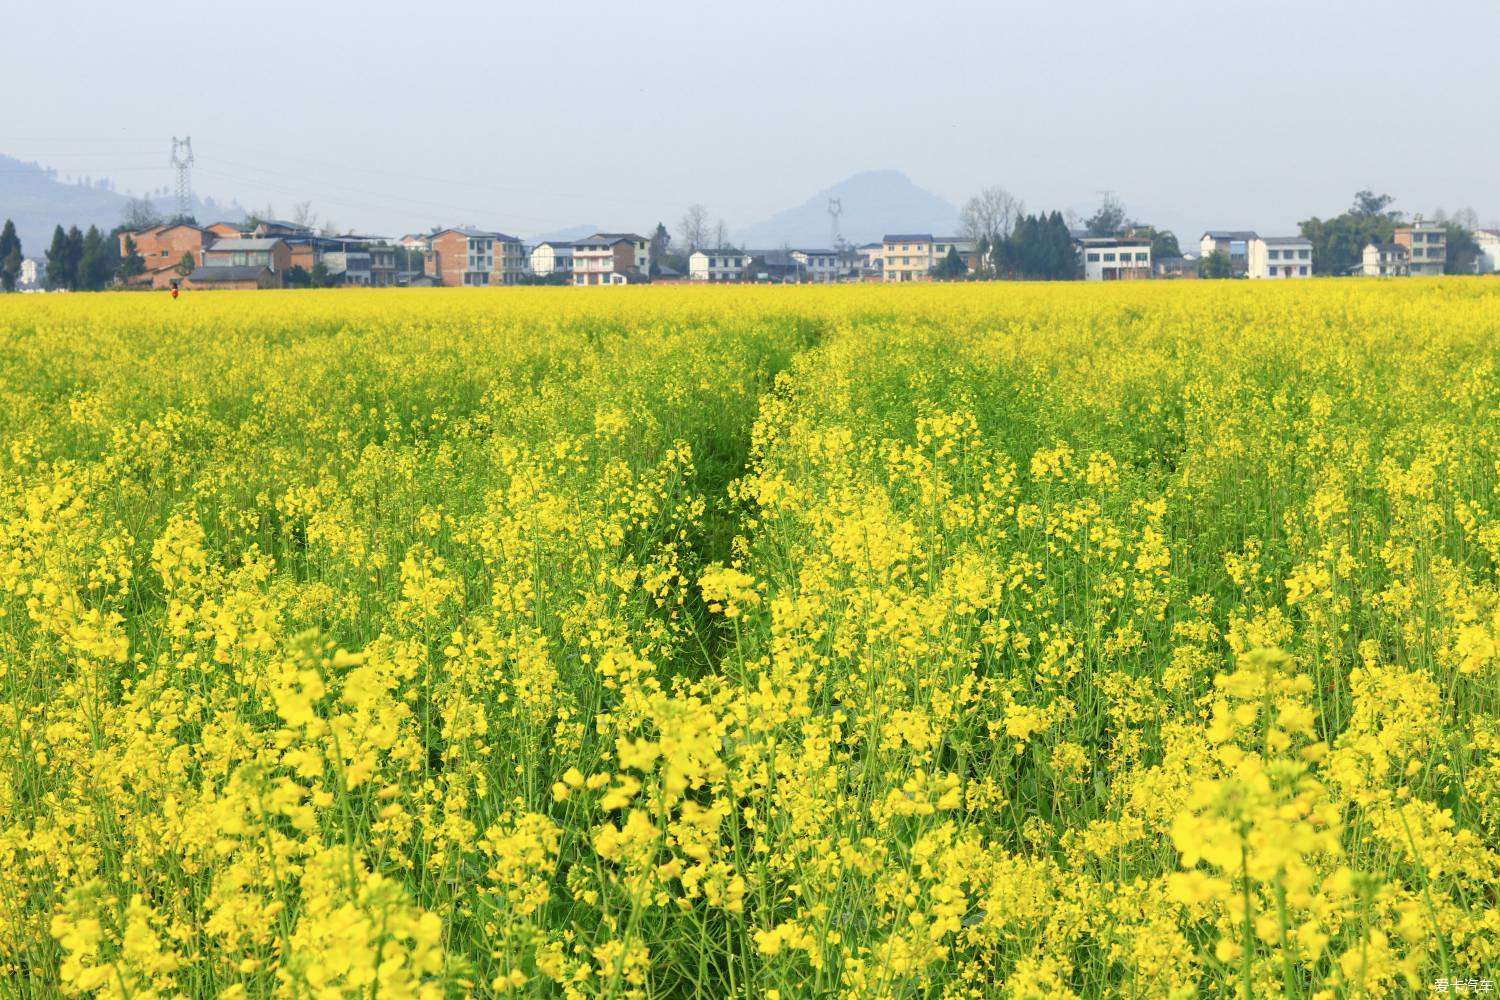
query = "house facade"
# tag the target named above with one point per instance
(1279, 257)
(1115, 258)
(718, 265)
(1427, 243)
(32, 275)
(1385, 260)
(474, 258)
(232, 277)
(551, 257)
(607, 260)
(818, 266)
(163, 247)
(269, 252)
(907, 256)
(871, 260)
(640, 249)
(1232, 243)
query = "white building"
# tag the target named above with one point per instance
(1279, 257)
(818, 265)
(718, 265)
(871, 260)
(1489, 250)
(552, 258)
(1386, 260)
(1115, 258)
(33, 274)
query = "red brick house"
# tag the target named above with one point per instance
(162, 248)
(474, 258)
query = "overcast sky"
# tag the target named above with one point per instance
(538, 115)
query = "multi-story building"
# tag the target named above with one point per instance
(821, 266)
(1386, 260)
(1279, 257)
(382, 265)
(640, 249)
(718, 265)
(474, 258)
(1428, 245)
(551, 257)
(163, 247)
(871, 258)
(1115, 258)
(1488, 241)
(607, 260)
(1232, 243)
(907, 256)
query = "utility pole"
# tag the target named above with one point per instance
(182, 162)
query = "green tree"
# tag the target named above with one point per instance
(1339, 243)
(951, 267)
(1164, 244)
(297, 277)
(95, 262)
(320, 278)
(132, 265)
(187, 264)
(1109, 220)
(10, 256)
(1369, 205)
(1463, 252)
(60, 272)
(1215, 265)
(661, 241)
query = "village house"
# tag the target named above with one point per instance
(871, 260)
(1232, 243)
(718, 265)
(269, 252)
(907, 256)
(611, 259)
(224, 230)
(640, 249)
(819, 266)
(232, 277)
(162, 248)
(1386, 260)
(1427, 243)
(1279, 257)
(552, 257)
(1115, 258)
(474, 258)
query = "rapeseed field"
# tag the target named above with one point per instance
(952, 641)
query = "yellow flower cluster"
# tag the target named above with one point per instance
(963, 641)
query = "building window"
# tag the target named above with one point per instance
(1109, 257)
(1302, 270)
(1094, 257)
(1142, 256)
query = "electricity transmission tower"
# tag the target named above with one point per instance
(835, 209)
(182, 162)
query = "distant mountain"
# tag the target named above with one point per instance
(38, 201)
(875, 202)
(567, 235)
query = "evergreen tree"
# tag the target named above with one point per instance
(1215, 265)
(75, 258)
(59, 271)
(951, 266)
(10, 256)
(186, 265)
(132, 265)
(10, 269)
(660, 241)
(95, 263)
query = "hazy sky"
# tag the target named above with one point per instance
(531, 116)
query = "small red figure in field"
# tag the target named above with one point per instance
(174, 289)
